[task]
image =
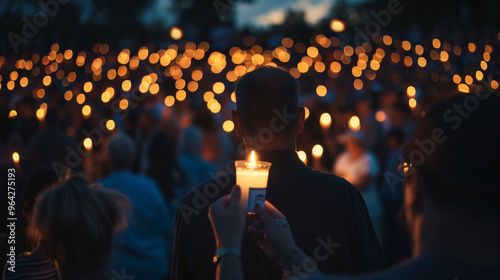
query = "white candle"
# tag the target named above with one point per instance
(252, 177)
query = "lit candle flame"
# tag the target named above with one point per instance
(253, 160)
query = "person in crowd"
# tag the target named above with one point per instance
(396, 242)
(369, 126)
(50, 147)
(401, 118)
(196, 167)
(163, 166)
(142, 248)
(322, 208)
(360, 167)
(34, 264)
(451, 203)
(76, 224)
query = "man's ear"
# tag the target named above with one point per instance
(237, 125)
(301, 120)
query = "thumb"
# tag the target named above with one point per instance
(235, 196)
(263, 216)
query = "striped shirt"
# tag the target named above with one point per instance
(31, 266)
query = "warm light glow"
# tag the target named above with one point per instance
(354, 123)
(87, 143)
(176, 33)
(110, 125)
(218, 87)
(123, 104)
(80, 98)
(484, 65)
(40, 93)
(412, 103)
(228, 126)
(494, 84)
(468, 80)
(207, 96)
(154, 88)
(436, 43)
(410, 91)
(87, 87)
(358, 84)
(479, 75)
(253, 158)
(325, 120)
(387, 40)
(422, 62)
(12, 114)
(15, 157)
(68, 95)
(169, 101)
(40, 114)
(380, 116)
(105, 96)
(86, 111)
(126, 85)
(472, 47)
(180, 95)
(337, 25)
(47, 80)
(306, 113)
(463, 88)
(335, 67)
(317, 151)
(303, 156)
(321, 90)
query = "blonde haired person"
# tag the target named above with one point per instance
(76, 224)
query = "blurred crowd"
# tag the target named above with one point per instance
(159, 120)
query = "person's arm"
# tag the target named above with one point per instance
(228, 223)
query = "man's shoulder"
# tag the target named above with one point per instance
(331, 181)
(211, 189)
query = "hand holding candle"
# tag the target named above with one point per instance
(252, 177)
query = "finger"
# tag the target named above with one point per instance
(263, 216)
(258, 224)
(235, 196)
(273, 211)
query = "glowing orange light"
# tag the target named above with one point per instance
(410, 91)
(337, 25)
(412, 103)
(169, 101)
(321, 90)
(325, 120)
(12, 114)
(110, 125)
(87, 143)
(317, 151)
(228, 126)
(354, 123)
(303, 156)
(176, 33)
(463, 88)
(380, 116)
(15, 157)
